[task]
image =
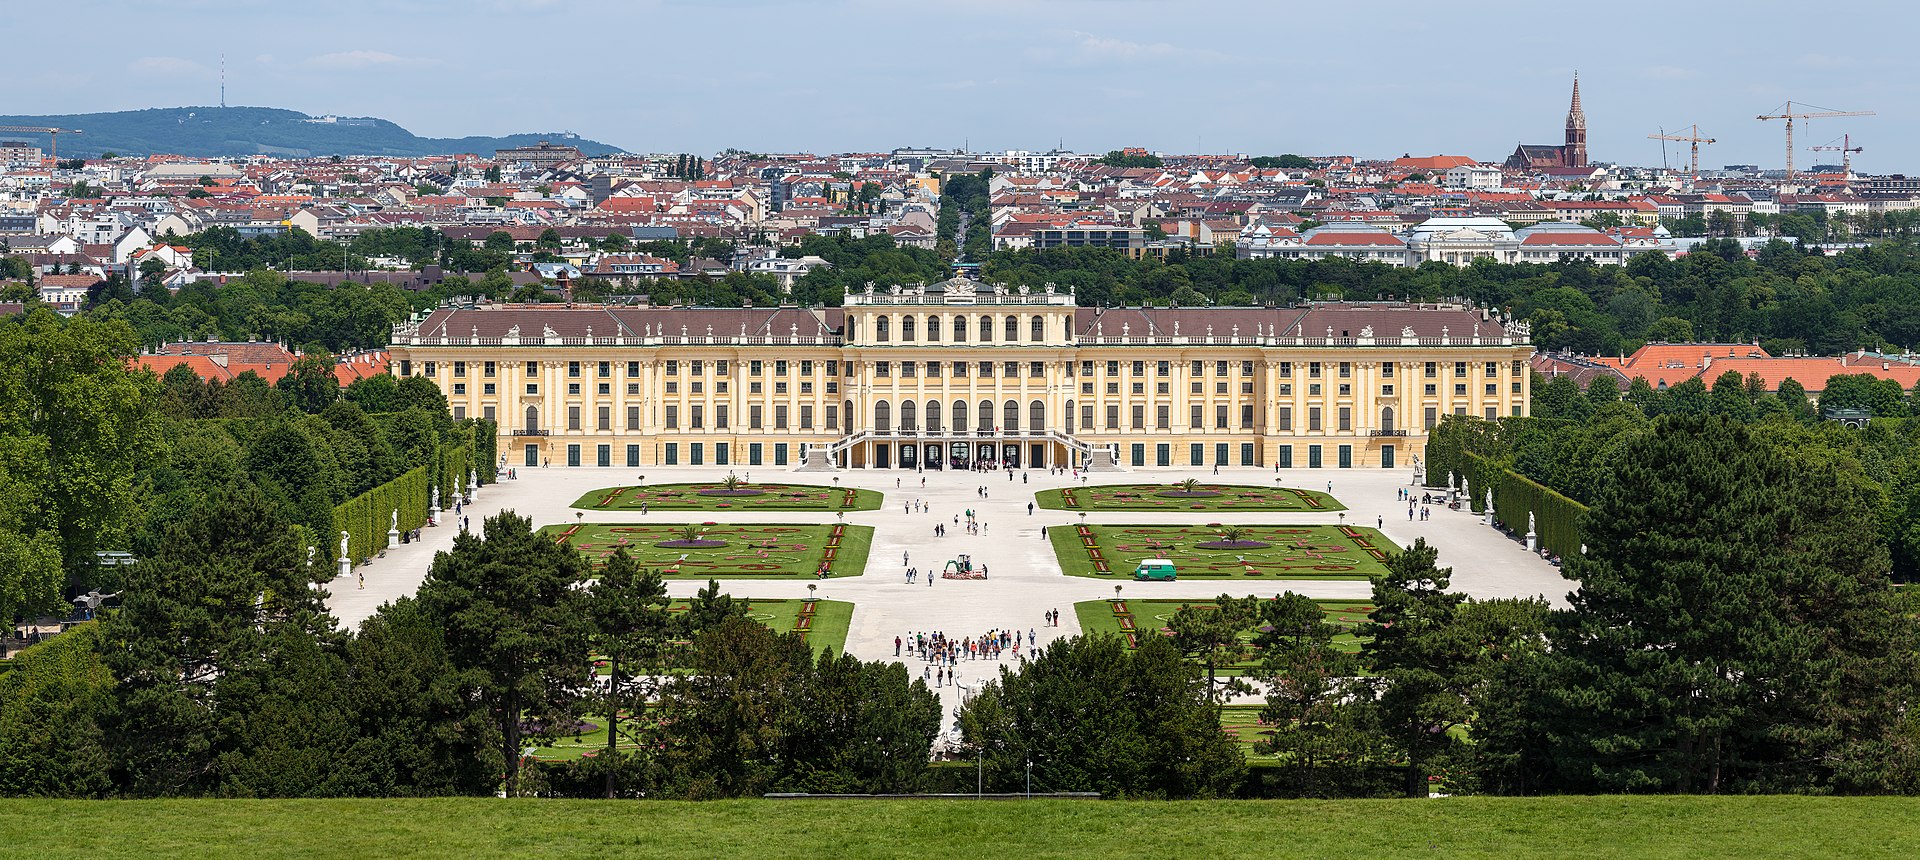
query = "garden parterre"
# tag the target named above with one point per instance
(1188, 496)
(1131, 619)
(719, 496)
(1213, 551)
(743, 550)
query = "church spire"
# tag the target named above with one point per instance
(1574, 153)
(1576, 118)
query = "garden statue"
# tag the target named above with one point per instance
(393, 521)
(1529, 522)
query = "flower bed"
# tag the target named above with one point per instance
(712, 496)
(724, 551)
(1286, 552)
(1210, 497)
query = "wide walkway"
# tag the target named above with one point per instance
(1025, 577)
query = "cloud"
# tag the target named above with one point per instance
(1081, 48)
(362, 59)
(1100, 47)
(171, 67)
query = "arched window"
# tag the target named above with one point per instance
(959, 412)
(1037, 330)
(986, 415)
(1013, 329)
(1069, 416)
(1010, 416)
(533, 418)
(846, 410)
(882, 416)
(1066, 326)
(986, 329)
(933, 328)
(907, 414)
(1036, 416)
(882, 330)
(959, 329)
(906, 329)
(1386, 418)
(933, 412)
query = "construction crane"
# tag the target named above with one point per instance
(1846, 150)
(1692, 137)
(53, 133)
(1790, 116)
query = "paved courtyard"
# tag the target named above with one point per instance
(1024, 578)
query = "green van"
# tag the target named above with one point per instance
(1154, 568)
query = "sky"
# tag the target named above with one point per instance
(1374, 79)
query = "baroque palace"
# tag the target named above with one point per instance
(958, 374)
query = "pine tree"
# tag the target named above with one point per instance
(632, 629)
(513, 617)
(1423, 660)
(1732, 631)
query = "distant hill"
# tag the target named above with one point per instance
(213, 132)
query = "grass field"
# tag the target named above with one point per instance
(715, 497)
(1291, 552)
(1170, 498)
(1602, 828)
(751, 550)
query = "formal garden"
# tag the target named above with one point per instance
(730, 494)
(1215, 551)
(1188, 495)
(1130, 619)
(726, 550)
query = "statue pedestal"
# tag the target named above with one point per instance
(393, 537)
(346, 566)
(1533, 542)
(1488, 519)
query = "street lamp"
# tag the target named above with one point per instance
(1116, 591)
(811, 586)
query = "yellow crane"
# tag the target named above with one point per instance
(1846, 150)
(53, 133)
(1692, 137)
(1788, 115)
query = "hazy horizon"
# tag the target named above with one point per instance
(1092, 75)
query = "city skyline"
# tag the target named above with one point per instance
(1090, 75)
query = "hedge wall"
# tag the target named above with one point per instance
(366, 517)
(1556, 517)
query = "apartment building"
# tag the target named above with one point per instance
(957, 373)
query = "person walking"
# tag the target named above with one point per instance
(1029, 509)
(903, 556)
(1379, 522)
(896, 646)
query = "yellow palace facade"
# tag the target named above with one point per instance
(960, 374)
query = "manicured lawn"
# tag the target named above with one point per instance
(749, 550)
(715, 497)
(1171, 498)
(1602, 828)
(1287, 552)
(1241, 721)
(1132, 619)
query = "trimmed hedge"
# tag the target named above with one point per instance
(367, 517)
(1556, 517)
